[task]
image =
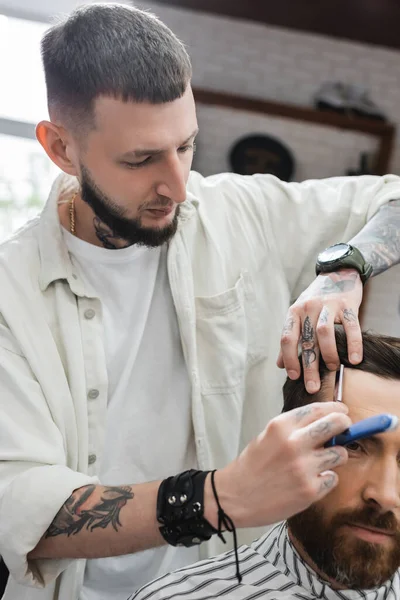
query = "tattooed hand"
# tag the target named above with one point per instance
(331, 298)
(286, 468)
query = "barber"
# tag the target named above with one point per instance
(140, 321)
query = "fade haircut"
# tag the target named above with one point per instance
(110, 50)
(381, 356)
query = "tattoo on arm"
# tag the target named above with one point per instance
(78, 513)
(308, 343)
(379, 240)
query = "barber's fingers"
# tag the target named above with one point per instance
(316, 434)
(326, 338)
(310, 351)
(323, 479)
(310, 413)
(288, 356)
(325, 484)
(351, 324)
(330, 458)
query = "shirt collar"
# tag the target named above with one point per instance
(288, 559)
(54, 258)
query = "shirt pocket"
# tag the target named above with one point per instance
(229, 336)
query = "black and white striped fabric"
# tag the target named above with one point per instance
(271, 569)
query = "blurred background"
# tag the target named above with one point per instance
(299, 88)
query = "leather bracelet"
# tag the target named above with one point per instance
(180, 509)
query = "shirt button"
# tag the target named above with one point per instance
(74, 276)
(93, 394)
(92, 459)
(89, 313)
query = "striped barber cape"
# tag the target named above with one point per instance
(271, 569)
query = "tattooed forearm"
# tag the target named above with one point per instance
(80, 512)
(308, 343)
(379, 240)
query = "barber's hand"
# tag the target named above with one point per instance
(284, 470)
(331, 298)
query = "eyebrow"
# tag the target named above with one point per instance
(140, 152)
(375, 440)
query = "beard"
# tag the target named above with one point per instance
(118, 225)
(350, 561)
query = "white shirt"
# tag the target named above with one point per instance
(271, 569)
(245, 246)
(149, 431)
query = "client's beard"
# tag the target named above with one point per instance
(350, 561)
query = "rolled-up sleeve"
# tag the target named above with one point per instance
(303, 218)
(35, 480)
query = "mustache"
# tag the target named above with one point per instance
(369, 517)
(161, 202)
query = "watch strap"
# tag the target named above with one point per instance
(353, 260)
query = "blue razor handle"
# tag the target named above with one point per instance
(363, 429)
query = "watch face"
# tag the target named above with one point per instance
(334, 253)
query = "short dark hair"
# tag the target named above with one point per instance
(381, 356)
(111, 50)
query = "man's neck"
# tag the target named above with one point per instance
(88, 227)
(306, 558)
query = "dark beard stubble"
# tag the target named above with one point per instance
(111, 224)
(352, 562)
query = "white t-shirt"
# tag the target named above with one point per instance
(149, 433)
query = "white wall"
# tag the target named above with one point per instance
(42, 9)
(39, 7)
(271, 63)
(246, 58)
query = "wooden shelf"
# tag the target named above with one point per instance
(383, 131)
(369, 22)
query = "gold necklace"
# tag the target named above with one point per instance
(72, 214)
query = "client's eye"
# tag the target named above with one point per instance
(353, 447)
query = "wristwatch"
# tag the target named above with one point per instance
(343, 256)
